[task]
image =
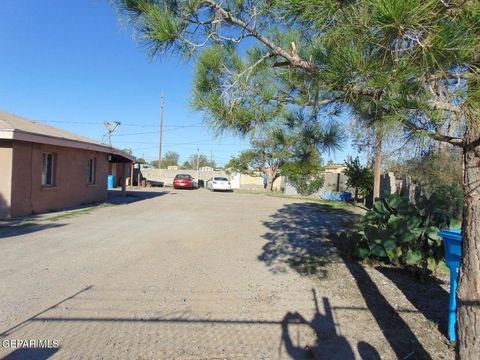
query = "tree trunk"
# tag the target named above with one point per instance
(468, 293)
(271, 180)
(377, 169)
(369, 147)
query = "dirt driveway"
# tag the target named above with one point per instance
(194, 275)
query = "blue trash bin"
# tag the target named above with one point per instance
(111, 181)
(452, 241)
(336, 196)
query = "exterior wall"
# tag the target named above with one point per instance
(235, 180)
(70, 189)
(5, 178)
(290, 189)
(248, 182)
(166, 176)
(387, 184)
(333, 182)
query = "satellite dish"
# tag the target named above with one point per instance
(111, 126)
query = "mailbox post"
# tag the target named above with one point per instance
(452, 240)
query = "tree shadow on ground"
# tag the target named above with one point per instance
(302, 230)
(401, 338)
(421, 295)
(298, 238)
(32, 353)
(115, 196)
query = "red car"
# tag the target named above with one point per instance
(183, 181)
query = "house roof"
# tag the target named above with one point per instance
(15, 127)
(335, 166)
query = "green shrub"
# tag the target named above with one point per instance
(402, 233)
(359, 177)
(304, 174)
(306, 184)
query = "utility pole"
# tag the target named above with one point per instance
(198, 158)
(161, 133)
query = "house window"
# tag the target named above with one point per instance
(48, 171)
(91, 170)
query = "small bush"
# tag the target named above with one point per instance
(359, 177)
(306, 184)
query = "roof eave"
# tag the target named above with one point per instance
(11, 134)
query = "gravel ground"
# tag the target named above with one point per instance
(200, 275)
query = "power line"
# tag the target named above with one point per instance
(158, 131)
(139, 133)
(178, 143)
(123, 124)
(95, 123)
(192, 148)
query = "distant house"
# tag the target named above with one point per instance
(335, 168)
(206, 168)
(43, 168)
(172, 167)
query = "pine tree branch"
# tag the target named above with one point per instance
(444, 105)
(247, 72)
(433, 134)
(294, 59)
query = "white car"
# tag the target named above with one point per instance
(219, 183)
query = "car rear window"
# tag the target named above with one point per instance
(183, 176)
(220, 179)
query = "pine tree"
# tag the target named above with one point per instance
(408, 62)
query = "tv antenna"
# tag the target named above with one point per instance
(111, 127)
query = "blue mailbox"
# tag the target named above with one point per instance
(452, 240)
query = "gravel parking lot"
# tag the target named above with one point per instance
(194, 275)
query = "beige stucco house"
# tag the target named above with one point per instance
(43, 168)
(335, 168)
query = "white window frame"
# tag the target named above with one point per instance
(48, 177)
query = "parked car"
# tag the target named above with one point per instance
(183, 181)
(219, 183)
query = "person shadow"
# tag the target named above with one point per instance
(328, 344)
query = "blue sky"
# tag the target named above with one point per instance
(74, 64)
